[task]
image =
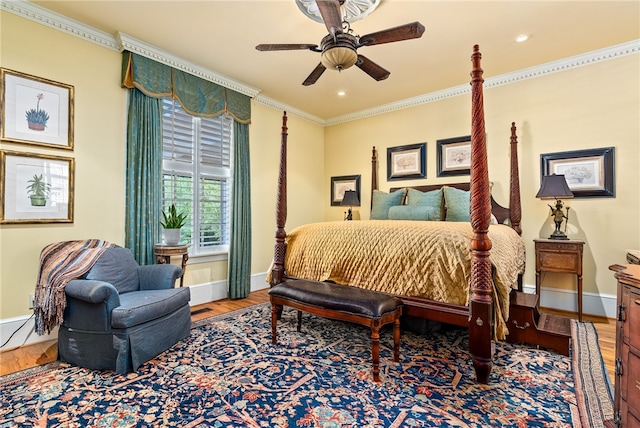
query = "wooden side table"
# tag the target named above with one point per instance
(163, 255)
(563, 256)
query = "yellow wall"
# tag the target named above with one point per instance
(100, 158)
(305, 169)
(98, 149)
(588, 107)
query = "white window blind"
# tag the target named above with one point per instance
(197, 175)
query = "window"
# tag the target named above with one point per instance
(197, 175)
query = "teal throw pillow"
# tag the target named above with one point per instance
(411, 212)
(457, 203)
(383, 201)
(430, 199)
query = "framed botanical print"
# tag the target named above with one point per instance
(36, 111)
(36, 188)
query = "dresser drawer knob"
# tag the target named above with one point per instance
(621, 314)
(618, 367)
(525, 326)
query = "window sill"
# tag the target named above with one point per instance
(208, 258)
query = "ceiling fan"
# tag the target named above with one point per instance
(339, 47)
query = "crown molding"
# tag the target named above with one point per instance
(291, 111)
(59, 22)
(589, 58)
(121, 41)
(145, 49)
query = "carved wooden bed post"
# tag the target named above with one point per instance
(277, 272)
(374, 173)
(515, 212)
(481, 287)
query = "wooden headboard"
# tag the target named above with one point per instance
(501, 213)
(513, 213)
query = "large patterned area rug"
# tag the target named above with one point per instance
(228, 374)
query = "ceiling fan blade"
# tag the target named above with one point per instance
(286, 47)
(413, 30)
(315, 75)
(371, 68)
(330, 12)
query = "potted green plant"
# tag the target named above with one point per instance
(38, 191)
(171, 224)
(37, 118)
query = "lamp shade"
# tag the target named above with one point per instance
(350, 198)
(554, 187)
(339, 58)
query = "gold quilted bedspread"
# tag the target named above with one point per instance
(426, 259)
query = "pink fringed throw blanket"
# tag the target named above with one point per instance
(60, 263)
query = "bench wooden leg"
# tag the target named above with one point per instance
(299, 319)
(274, 321)
(375, 349)
(396, 340)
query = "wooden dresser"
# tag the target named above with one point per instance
(627, 382)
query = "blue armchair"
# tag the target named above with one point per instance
(120, 314)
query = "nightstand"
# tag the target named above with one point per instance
(163, 255)
(562, 256)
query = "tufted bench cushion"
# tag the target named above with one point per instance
(341, 302)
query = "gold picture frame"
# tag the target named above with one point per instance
(36, 188)
(35, 111)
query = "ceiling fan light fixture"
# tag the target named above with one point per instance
(339, 58)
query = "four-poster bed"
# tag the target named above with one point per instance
(478, 310)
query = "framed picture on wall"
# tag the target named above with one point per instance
(453, 156)
(407, 162)
(36, 188)
(341, 184)
(36, 111)
(588, 172)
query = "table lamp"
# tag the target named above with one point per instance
(350, 199)
(555, 187)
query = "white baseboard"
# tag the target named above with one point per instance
(594, 304)
(603, 305)
(23, 328)
(212, 291)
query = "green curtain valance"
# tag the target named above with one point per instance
(197, 96)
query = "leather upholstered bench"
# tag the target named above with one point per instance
(340, 302)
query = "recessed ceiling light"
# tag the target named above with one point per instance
(522, 38)
(341, 93)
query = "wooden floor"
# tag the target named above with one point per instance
(44, 352)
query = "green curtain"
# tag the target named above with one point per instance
(240, 247)
(198, 97)
(144, 175)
